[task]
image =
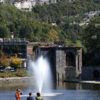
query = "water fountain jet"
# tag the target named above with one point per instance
(42, 77)
(42, 73)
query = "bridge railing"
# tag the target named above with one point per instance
(13, 40)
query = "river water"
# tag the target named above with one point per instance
(69, 91)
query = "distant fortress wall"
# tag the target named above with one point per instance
(28, 4)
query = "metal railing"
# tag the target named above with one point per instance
(13, 40)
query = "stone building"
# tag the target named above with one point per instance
(28, 4)
(65, 62)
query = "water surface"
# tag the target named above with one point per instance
(70, 91)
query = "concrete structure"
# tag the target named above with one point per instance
(31, 53)
(18, 46)
(66, 62)
(14, 82)
(91, 73)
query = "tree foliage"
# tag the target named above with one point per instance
(3, 60)
(53, 36)
(15, 62)
(62, 10)
(92, 42)
(36, 26)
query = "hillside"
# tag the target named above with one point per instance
(61, 11)
(55, 22)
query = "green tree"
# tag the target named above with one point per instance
(4, 31)
(15, 62)
(53, 35)
(92, 42)
(92, 37)
(3, 59)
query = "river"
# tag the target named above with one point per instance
(69, 91)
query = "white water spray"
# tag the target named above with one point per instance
(41, 73)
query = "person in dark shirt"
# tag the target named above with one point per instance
(30, 97)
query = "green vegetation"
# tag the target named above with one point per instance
(17, 73)
(3, 60)
(15, 62)
(62, 10)
(92, 42)
(37, 25)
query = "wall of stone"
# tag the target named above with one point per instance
(57, 58)
(14, 81)
(65, 72)
(90, 73)
(78, 62)
(60, 64)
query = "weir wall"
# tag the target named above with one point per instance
(14, 81)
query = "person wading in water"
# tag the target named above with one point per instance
(38, 97)
(17, 94)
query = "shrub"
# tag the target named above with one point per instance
(15, 62)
